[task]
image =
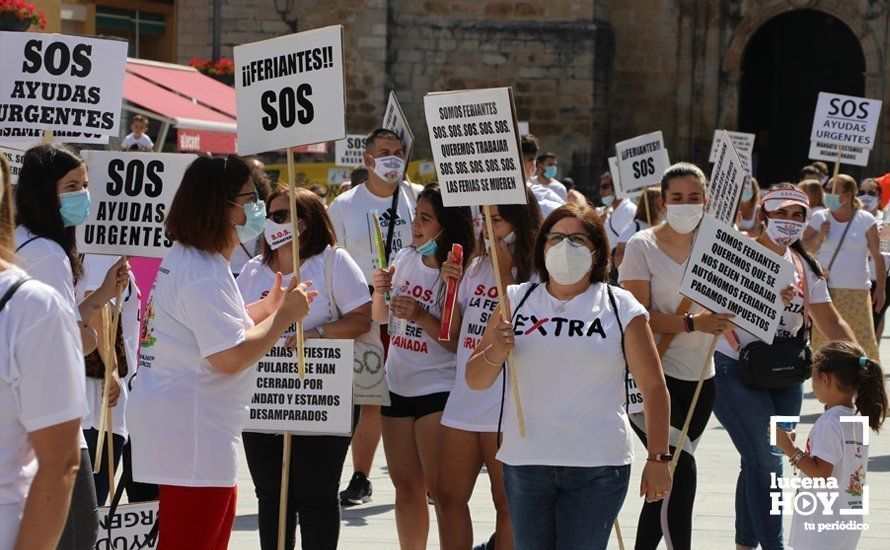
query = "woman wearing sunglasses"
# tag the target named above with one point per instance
(653, 267)
(200, 343)
(316, 461)
(573, 337)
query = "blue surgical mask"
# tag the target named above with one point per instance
(255, 212)
(833, 201)
(430, 247)
(550, 172)
(608, 200)
(75, 207)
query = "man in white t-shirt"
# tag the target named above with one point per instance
(138, 137)
(545, 176)
(350, 214)
(548, 200)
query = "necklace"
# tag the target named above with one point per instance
(561, 307)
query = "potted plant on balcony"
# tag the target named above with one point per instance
(222, 70)
(18, 15)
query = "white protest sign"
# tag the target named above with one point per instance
(523, 127)
(744, 143)
(14, 157)
(25, 138)
(350, 151)
(475, 146)
(130, 526)
(130, 196)
(634, 396)
(394, 120)
(846, 120)
(289, 91)
(727, 180)
(61, 82)
(321, 404)
(731, 273)
(613, 171)
(641, 162)
(823, 150)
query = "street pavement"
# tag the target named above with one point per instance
(372, 526)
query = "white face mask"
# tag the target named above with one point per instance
(869, 202)
(784, 232)
(684, 218)
(508, 240)
(278, 234)
(389, 168)
(566, 263)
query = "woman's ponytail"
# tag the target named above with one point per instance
(853, 371)
(871, 396)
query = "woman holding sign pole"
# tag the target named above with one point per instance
(470, 420)
(419, 368)
(51, 199)
(316, 460)
(746, 412)
(845, 236)
(573, 339)
(652, 270)
(200, 343)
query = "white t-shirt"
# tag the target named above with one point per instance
(618, 218)
(350, 214)
(184, 416)
(553, 185)
(850, 269)
(41, 385)
(143, 141)
(477, 295)
(243, 253)
(573, 407)
(548, 200)
(634, 227)
(879, 218)
(95, 268)
(351, 290)
(792, 316)
(416, 363)
(645, 261)
(841, 444)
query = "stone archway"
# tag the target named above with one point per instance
(730, 75)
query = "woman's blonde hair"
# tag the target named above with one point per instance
(652, 195)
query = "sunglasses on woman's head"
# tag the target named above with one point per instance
(279, 216)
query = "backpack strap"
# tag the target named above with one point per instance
(528, 293)
(329, 282)
(7, 296)
(623, 351)
(21, 246)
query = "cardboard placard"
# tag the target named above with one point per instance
(641, 162)
(289, 91)
(634, 396)
(130, 196)
(14, 157)
(475, 146)
(394, 119)
(727, 180)
(823, 150)
(616, 176)
(731, 273)
(25, 138)
(744, 146)
(61, 82)
(130, 526)
(321, 404)
(350, 151)
(846, 120)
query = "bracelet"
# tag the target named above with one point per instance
(485, 358)
(688, 323)
(797, 457)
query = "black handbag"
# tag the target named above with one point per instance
(787, 361)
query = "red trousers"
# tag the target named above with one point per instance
(197, 518)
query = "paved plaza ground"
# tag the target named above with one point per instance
(372, 526)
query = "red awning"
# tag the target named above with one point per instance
(189, 82)
(152, 97)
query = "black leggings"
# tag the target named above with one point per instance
(82, 524)
(680, 500)
(878, 316)
(101, 479)
(315, 469)
(136, 490)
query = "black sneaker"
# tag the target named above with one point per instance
(489, 545)
(357, 492)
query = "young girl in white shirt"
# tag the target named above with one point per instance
(470, 420)
(849, 385)
(420, 368)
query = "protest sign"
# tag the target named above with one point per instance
(25, 138)
(350, 151)
(394, 120)
(130, 196)
(523, 127)
(641, 162)
(744, 143)
(846, 120)
(727, 180)
(731, 273)
(823, 150)
(61, 82)
(320, 404)
(289, 91)
(613, 170)
(14, 157)
(128, 528)
(475, 146)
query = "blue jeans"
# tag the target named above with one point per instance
(562, 507)
(745, 415)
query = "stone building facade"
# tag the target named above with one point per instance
(587, 74)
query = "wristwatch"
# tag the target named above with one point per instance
(320, 330)
(661, 457)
